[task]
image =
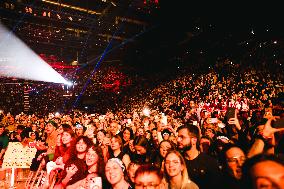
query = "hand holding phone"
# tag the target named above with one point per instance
(230, 113)
(95, 183)
(235, 121)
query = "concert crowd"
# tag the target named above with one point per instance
(222, 128)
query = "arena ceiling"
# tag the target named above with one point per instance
(77, 30)
(140, 33)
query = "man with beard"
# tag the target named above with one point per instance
(202, 169)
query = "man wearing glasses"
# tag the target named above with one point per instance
(202, 169)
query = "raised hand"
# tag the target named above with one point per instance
(268, 130)
(235, 121)
(71, 170)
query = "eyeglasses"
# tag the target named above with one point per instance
(239, 159)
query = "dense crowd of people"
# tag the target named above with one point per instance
(219, 129)
(52, 97)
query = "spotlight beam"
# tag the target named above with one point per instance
(19, 61)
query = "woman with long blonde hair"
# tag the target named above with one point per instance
(176, 174)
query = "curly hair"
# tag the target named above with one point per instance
(101, 163)
(86, 140)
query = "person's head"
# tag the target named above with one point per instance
(131, 145)
(148, 135)
(152, 125)
(188, 137)
(91, 132)
(192, 104)
(114, 127)
(263, 171)
(67, 137)
(58, 140)
(82, 144)
(166, 134)
(79, 130)
(114, 171)
(127, 134)
(148, 176)
(175, 166)
(116, 143)
(95, 159)
(11, 120)
(209, 132)
(61, 127)
(202, 113)
(41, 125)
(20, 129)
(164, 147)
(140, 131)
(205, 143)
(131, 169)
(141, 145)
(34, 127)
(233, 158)
(101, 135)
(50, 127)
(154, 133)
(2, 129)
(33, 135)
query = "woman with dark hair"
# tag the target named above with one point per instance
(103, 141)
(163, 149)
(154, 138)
(94, 176)
(64, 149)
(91, 133)
(100, 137)
(142, 150)
(116, 150)
(67, 141)
(82, 144)
(69, 151)
(127, 134)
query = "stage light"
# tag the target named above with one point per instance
(19, 61)
(69, 83)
